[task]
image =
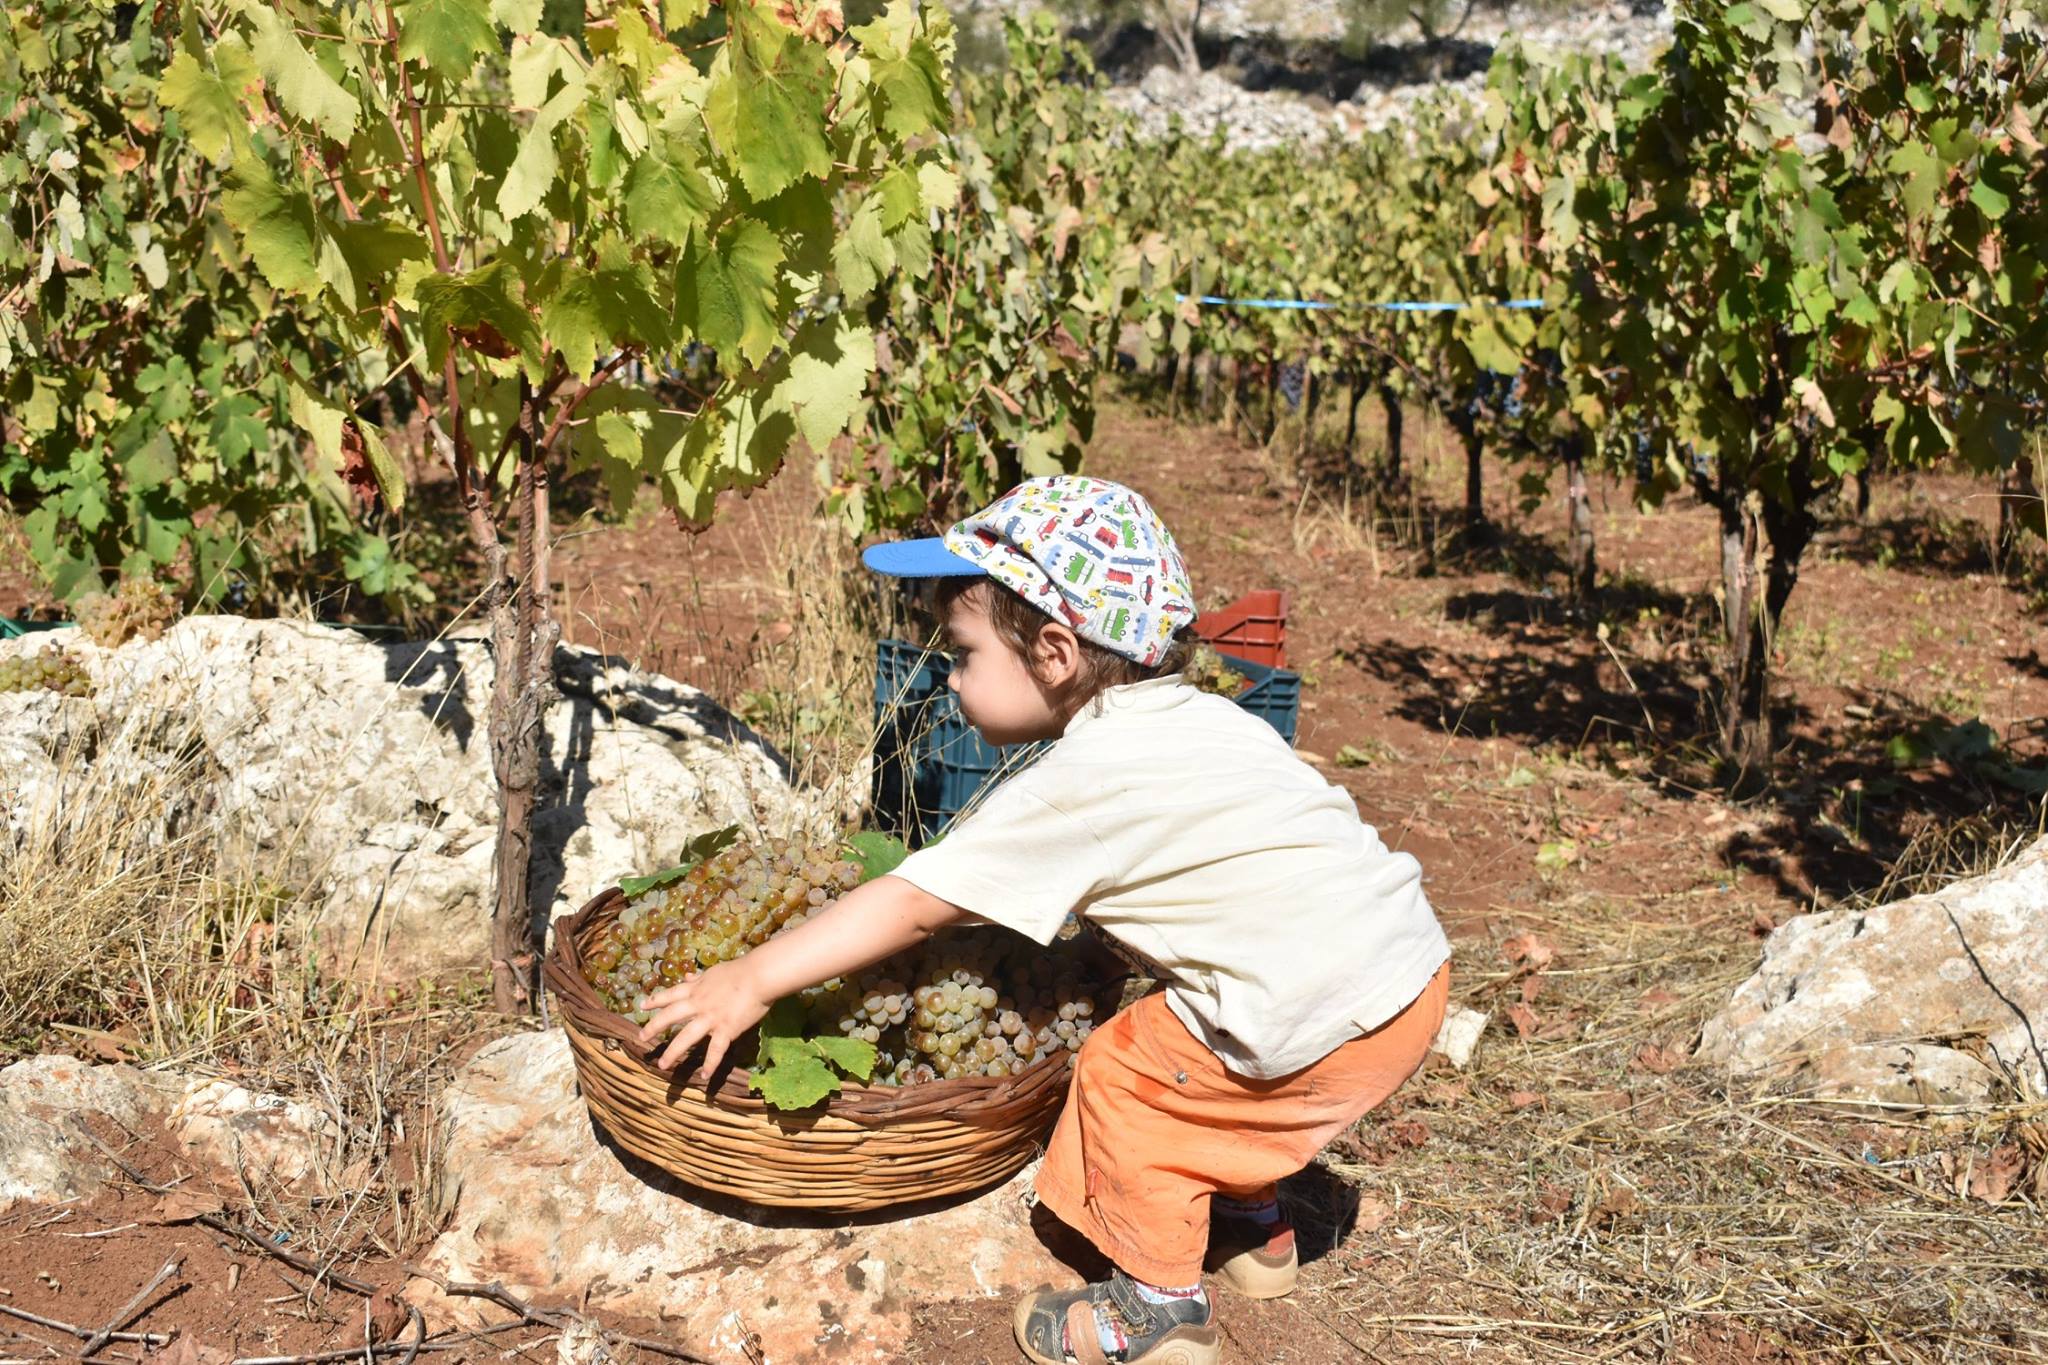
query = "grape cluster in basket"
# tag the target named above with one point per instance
(969, 1002)
(52, 670)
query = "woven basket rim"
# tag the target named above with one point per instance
(963, 1099)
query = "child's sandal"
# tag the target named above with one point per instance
(1048, 1320)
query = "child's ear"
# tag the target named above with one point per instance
(1056, 655)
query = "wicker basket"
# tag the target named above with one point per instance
(866, 1148)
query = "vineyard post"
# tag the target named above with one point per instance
(1581, 570)
(1390, 405)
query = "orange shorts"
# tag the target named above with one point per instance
(1155, 1125)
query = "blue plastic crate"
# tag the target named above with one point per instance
(930, 764)
(1274, 694)
(10, 628)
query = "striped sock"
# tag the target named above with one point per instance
(1155, 1293)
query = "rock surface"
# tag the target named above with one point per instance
(1888, 1005)
(219, 1131)
(540, 1201)
(362, 771)
(1459, 1035)
(1248, 94)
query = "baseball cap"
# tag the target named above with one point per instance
(1087, 552)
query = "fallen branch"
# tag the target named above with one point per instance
(142, 1338)
(129, 1310)
(556, 1318)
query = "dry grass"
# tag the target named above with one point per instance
(135, 928)
(1585, 1191)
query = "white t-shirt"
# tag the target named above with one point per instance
(1187, 830)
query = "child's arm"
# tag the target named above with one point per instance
(867, 924)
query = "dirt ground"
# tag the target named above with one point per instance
(1581, 1191)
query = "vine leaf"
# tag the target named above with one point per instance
(878, 854)
(706, 845)
(209, 100)
(666, 195)
(793, 1070)
(279, 225)
(726, 291)
(448, 35)
(483, 307)
(768, 112)
(303, 86)
(910, 85)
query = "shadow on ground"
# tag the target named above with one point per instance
(1852, 793)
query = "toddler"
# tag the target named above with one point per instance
(1304, 974)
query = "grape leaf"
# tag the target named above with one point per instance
(793, 1070)
(303, 86)
(532, 172)
(521, 16)
(725, 292)
(589, 310)
(666, 195)
(481, 299)
(878, 854)
(938, 184)
(375, 249)
(382, 466)
(854, 1056)
(828, 376)
(768, 111)
(900, 195)
(208, 100)
(862, 255)
(910, 81)
(447, 34)
(279, 226)
(795, 1076)
(696, 851)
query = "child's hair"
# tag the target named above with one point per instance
(1018, 623)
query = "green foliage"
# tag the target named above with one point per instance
(795, 1068)
(878, 854)
(148, 370)
(515, 202)
(1003, 282)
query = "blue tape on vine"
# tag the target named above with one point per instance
(1317, 305)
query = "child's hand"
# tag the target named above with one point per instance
(713, 1007)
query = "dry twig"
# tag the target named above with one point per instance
(130, 1309)
(143, 1338)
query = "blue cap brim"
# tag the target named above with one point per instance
(926, 558)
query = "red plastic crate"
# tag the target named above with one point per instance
(1253, 627)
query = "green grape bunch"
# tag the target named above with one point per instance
(969, 1002)
(1207, 671)
(51, 670)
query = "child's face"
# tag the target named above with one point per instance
(999, 694)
